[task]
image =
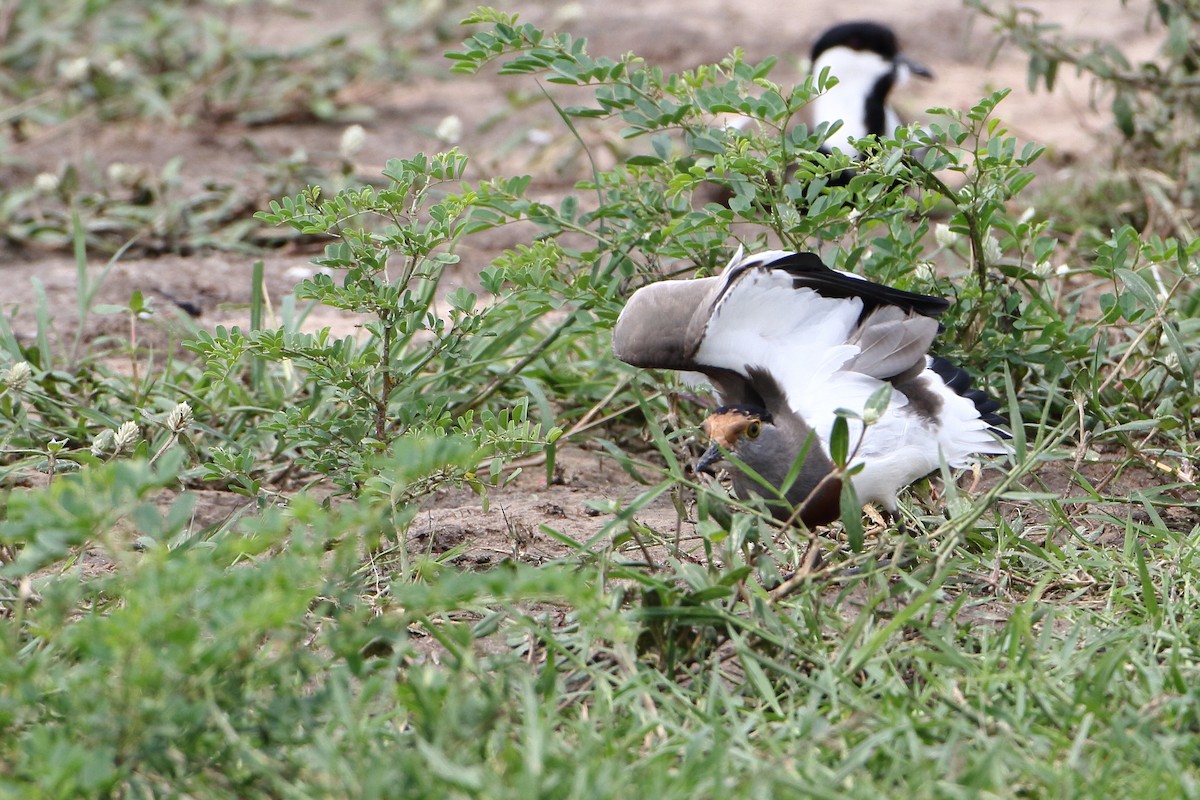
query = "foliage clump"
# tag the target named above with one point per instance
(1155, 106)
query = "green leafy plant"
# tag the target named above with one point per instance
(81, 64)
(1153, 104)
(422, 351)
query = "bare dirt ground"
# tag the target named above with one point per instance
(955, 42)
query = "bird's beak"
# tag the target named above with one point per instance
(915, 67)
(712, 456)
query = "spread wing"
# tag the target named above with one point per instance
(782, 330)
(817, 341)
(827, 338)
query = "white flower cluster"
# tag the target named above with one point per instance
(117, 441)
(46, 182)
(991, 250)
(450, 129)
(17, 376)
(126, 436)
(179, 419)
(944, 236)
(352, 141)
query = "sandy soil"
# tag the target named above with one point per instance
(955, 42)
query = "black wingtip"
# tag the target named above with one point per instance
(959, 380)
(809, 270)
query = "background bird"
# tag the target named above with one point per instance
(865, 57)
(787, 342)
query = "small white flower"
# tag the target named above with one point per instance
(450, 129)
(991, 250)
(1027, 215)
(854, 215)
(944, 235)
(46, 182)
(569, 12)
(74, 70)
(117, 68)
(539, 137)
(18, 375)
(121, 174)
(925, 272)
(179, 418)
(126, 436)
(102, 443)
(739, 123)
(1042, 269)
(1171, 361)
(303, 273)
(1062, 269)
(352, 141)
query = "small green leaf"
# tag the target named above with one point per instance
(877, 403)
(1140, 287)
(839, 442)
(1123, 114)
(852, 516)
(1149, 594)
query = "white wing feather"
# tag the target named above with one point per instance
(797, 335)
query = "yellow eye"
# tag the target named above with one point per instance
(753, 429)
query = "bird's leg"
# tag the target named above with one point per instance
(810, 562)
(892, 517)
(976, 476)
(885, 518)
(673, 409)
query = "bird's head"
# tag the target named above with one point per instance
(864, 47)
(741, 430)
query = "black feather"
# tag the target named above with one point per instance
(746, 410)
(874, 110)
(959, 381)
(810, 271)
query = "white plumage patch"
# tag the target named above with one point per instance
(857, 72)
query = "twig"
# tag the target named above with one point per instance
(495, 384)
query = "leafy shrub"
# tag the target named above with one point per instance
(418, 371)
(83, 62)
(1154, 105)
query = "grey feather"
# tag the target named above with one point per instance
(892, 344)
(772, 455)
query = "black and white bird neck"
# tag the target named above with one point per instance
(787, 342)
(865, 57)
